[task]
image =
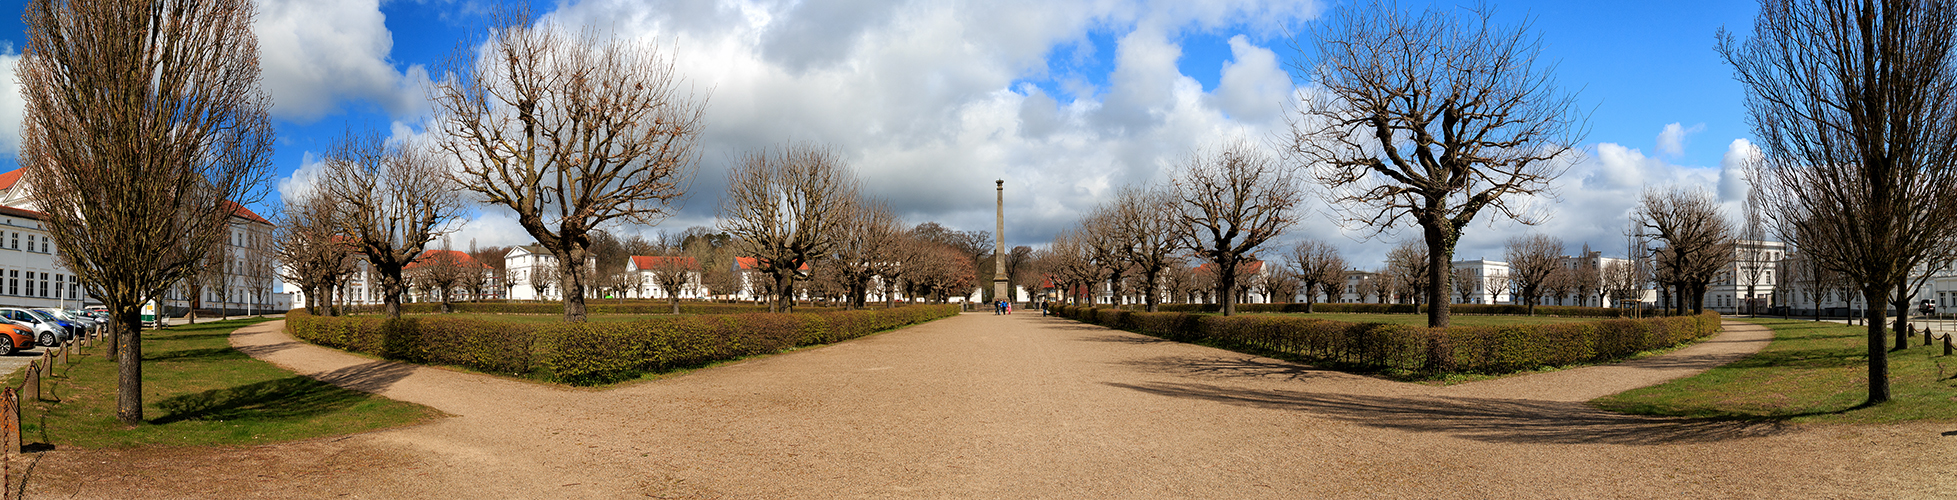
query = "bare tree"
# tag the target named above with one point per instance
(397, 198)
(1560, 284)
(1852, 103)
(1141, 217)
(1498, 284)
(1228, 203)
(1431, 118)
(1406, 266)
(1619, 281)
(571, 131)
(864, 248)
(1374, 285)
(1533, 262)
(441, 272)
(144, 127)
(1585, 278)
(1698, 240)
(672, 274)
(787, 207)
(1465, 285)
(1751, 251)
(1319, 266)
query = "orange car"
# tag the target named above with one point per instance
(17, 339)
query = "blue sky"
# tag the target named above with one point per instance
(1068, 101)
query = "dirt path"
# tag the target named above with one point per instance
(1028, 407)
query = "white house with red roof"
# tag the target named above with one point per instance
(484, 286)
(31, 275)
(648, 269)
(532, 272)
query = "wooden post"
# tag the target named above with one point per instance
(32, 389)
(47, 364)
(1946, 344)
(70, 346)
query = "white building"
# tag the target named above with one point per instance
(648, 269)
(532, 272)
(1754, 263)
(31, 272)
(1490, 282)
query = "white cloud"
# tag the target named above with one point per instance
(1671, 140)
(1733, 181)
(1253, 87)
(932, 101)
(13, 105)
(317, 54)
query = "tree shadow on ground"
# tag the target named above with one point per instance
(1479, 419)
(368, 377)
(199, 355)
(1124, 339)
(1804, 358)
(266, 349)
(1228, 367)
(281, 399)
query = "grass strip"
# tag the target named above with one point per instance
(1812, 372)
(198, 391)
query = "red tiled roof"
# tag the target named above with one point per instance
(7, 180)
(244, 213)
(647, 262)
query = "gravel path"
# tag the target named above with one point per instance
(983, 406)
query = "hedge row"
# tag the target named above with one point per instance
(593, 306)
(1484, 309)
(597, 352)
(1379, 346)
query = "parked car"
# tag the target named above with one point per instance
(1928, 307)
(15, 339)
(83, 323)
(47, 330)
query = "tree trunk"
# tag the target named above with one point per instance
(784, 291)
(392, 286)
(1440, 270)
(1878, 347)
(129, 364)
(571, 265)
(1148, 294)
(1226, 284)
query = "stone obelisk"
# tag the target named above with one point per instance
(999, 291)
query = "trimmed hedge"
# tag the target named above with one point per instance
(596, 353)
(1486, 309)
(1380, 346)
(593, 306)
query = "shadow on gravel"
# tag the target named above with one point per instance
(261, 350)
(286, 398)
(370, 377)
(1480, 419)
(1217, 367)
(1124, 339)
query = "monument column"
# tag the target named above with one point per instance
(999, 291)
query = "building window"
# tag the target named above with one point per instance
(44, 285)
(16, 244)
(44, 245)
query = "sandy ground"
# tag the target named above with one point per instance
(983, 406)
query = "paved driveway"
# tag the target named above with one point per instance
(983, 406)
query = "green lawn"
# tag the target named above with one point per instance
(1455, 320)
(198, 391)
(1811, 372)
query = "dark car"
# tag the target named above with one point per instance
(1927, 307)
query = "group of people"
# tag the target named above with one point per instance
(1005, 307)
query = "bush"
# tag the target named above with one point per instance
(597, 353)
(1485, 309)
(1377, 346)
